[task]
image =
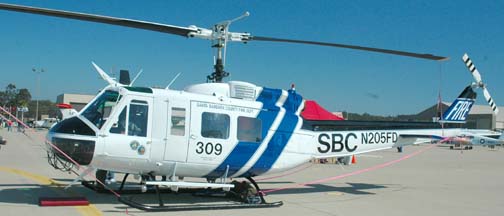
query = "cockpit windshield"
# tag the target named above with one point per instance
(100, 109)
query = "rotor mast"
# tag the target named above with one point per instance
(219, 42)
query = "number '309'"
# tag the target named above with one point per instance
(208, 148)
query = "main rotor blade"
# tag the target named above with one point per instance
(193, 32)
(170, 29)
(393, 52)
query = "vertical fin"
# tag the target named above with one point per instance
(460, 108)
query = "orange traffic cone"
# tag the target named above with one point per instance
(353, 159)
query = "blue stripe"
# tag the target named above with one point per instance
(243, 151)
(280, 138)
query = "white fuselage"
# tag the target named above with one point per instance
(213, 130)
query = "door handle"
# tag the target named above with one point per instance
(193, 136)
(103, 135)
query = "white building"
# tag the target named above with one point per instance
(78, 101)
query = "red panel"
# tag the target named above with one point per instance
(63, 201)
(313, 111)
(64, 106)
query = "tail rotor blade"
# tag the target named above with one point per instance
(472, 68)
(477, 76)
(490, 101)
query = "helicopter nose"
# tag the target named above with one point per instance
(72, 139)
(79, 150)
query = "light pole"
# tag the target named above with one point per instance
(38, 72)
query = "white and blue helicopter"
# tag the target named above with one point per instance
(216, 130)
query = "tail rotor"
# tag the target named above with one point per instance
(479, 82)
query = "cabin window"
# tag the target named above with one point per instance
(100, 109)
(178, 121)
(137, 118)
(215, 125)
(249, 129)
(120, 126)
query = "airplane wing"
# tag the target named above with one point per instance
(409, 139)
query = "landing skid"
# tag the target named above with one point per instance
(159, 208)
(243, 195)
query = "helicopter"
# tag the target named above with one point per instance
(215, 130)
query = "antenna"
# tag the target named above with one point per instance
(173, 80)
(104, 75)
(134, 79)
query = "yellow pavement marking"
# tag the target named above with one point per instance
(335, 193)
(89, 210)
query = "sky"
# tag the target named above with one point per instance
(339, 79)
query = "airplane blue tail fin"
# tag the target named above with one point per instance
(459, 109)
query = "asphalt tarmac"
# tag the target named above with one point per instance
(423, 180)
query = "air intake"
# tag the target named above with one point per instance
(242, 90)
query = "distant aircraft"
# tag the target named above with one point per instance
(467, 141)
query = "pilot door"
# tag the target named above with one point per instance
(129, 135)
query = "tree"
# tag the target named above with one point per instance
(23, 97)
(46, 107)
(10, 95)
(3, 98)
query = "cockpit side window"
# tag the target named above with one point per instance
(137, 118)
(100, 109)
(120, 126)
